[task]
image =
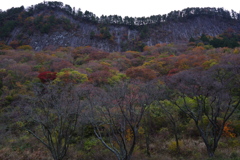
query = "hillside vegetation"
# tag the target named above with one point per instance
(169, 101)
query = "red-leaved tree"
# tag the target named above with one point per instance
(47, 76)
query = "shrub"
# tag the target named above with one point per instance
(25, 47)
(172, 146)
(68, 75)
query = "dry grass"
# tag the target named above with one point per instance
(15, 148)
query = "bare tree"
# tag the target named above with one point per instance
(51, 115)
(116, 117)
(207, 95)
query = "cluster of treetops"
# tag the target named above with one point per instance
(228, 39)
(13, 17)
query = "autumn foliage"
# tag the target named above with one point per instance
(100, 77)
(228, 131)
(97, 74)
(47, 76)
(141, 73)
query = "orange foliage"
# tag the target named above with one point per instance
(133, 52)
(141, 73)
(152, 48)
(5, 47)
(228, 130)
(41, 57)
(65, 49)
(160, 45)
(100, 77)
(84, 50)
(188, 61)
(147, 48)
(198, 49)
(14, 44)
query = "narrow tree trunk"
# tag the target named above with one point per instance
(147, 144)
(147, 125)
(176, 139)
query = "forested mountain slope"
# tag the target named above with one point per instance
(52, 24)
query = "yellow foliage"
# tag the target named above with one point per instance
(141, 130)
(25, 47)
(18, 84)
(200, 44)
(129, 134)
(161, 82)
(5, 47)
(20, 123)
(236, 51)
(160, 45)
(209, 63)
(70, 75)
(65, 49)
(105, 63)
(132, 52)
(172, 146)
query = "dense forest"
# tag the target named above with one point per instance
(165, 101)
(169, 101)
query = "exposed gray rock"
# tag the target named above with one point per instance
(163, 33)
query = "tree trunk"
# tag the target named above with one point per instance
(177, 141)
(176, 136)
(210, 152)
(147, 144)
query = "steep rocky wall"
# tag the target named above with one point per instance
(163, 33)
(183, 31)
(81, 37)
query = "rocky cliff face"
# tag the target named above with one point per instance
(82, 37)
(122, 37)
(182, 31)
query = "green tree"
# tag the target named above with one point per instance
(68, 75)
